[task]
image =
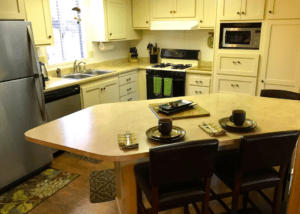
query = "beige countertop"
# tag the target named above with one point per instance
(93, 132)
(55, 83)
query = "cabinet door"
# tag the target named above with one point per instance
(12, 9)
(282, 57)
(230, 9)
(184, 8)
(90, 95)
(140, 13)
(163, 8)
(283, 9)
(109, 91)
(38, 13)
(252, 9)
(116, 19)
(209, 14)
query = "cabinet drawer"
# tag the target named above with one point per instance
(196, 90)
(237, 64)
(127, 89)
(130, 97)
(199, 81)
(237, 85)
(131, 77)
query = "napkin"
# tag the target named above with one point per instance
(212, 129)
(123, 141)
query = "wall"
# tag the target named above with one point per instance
(177, 40)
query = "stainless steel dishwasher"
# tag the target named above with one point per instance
(62, 102)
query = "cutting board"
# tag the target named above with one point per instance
(197, 111)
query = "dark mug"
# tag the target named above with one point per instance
(238, 117)
(165, 126)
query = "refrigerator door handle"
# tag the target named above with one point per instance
(37, 75)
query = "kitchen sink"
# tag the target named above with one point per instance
(97, 72)
(77, 76)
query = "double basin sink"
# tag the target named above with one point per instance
(86, 74)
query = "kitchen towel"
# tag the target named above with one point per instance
(168, 87)
(213, 130)
(157, 83)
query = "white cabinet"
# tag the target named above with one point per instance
(283, 9)
(207, 10)
(174, 8)
(12, 10)
(242, 9)
(112, 20)
(131, 97)
(141, 13)
(197, 84)
(128, 86)
(38, 13)
(237, 64)
(99, 93)
(281, 66)
(235, 84)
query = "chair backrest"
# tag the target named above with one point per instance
(280, 94)
(266, 150)
(181, 162)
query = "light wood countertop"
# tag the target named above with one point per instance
(94, 131)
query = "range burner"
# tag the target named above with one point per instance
(181, 66)
(161, 65)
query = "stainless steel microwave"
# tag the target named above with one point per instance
(245, 38)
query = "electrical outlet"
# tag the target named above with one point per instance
(42, 59)
(91, 54)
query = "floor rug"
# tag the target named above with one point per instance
(34, 191)
(102, 186)
(84, 158)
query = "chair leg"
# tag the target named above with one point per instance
(276, 200)
(154, 202)
(285, 182)
(236, 193)
(186, 209)
(139, 198)
(205, 202)
(245, 201)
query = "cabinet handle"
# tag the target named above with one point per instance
(243, 13)
(49, 36)
(196, 92)
(262, 81)
(198, 81)
(101, 89)
(200, 92)
(270, 11)
(104, 88)
(238, 13)
(128, 79)
(232, 85)
(200, 21)
(238, 62)
(237, 85)
(128, 89)
(129, 99)
(171, 11)
(147, 22)
(234, 62)
(174, 11)
(110, 34)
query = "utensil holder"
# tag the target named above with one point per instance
(154, 58)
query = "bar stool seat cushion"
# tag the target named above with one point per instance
(225, 169)
(170, 195)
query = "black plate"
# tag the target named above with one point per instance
(178, 110)
(166, 140)
(224, 124)
(181, 103)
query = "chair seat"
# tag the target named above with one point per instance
(252, 180)
(171, 195)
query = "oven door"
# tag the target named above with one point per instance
(238, 38)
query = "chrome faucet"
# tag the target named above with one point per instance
(76, 66)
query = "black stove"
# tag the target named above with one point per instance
(181, 66)
(161, 65)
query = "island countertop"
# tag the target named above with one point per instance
(94, 131)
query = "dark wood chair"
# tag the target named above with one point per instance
(280, 94)
(251, 167)
(177, 175)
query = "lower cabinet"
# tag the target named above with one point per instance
(131, 97)
(106, 91)
(128, 86)
(234, 84)
(197, 84)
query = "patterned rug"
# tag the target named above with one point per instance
(84, 158)
(31, 193)
(102, 186)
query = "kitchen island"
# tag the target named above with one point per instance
(93, 132)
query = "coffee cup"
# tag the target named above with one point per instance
(165, 126)
(238, 117)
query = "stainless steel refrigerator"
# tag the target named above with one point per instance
(22, 105)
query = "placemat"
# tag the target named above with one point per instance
(197, 111)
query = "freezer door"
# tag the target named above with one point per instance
(16, 55)
(19, 112)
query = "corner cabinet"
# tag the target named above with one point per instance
(141, 13)
(12, 10)
(283, 9)
(112, 20)
(38, 13)
(242, 9)
(100, 92)
(174, 8)
(281, 65)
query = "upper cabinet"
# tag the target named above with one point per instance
(174, 8)
(38, 13)
(141, 13)
(242, 9)
(283, 9)
(208, 9)
(112, 20)
(12, 10)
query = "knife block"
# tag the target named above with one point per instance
(154, 58)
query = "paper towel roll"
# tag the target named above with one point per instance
(106, 46)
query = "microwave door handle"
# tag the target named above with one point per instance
(37, 75)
